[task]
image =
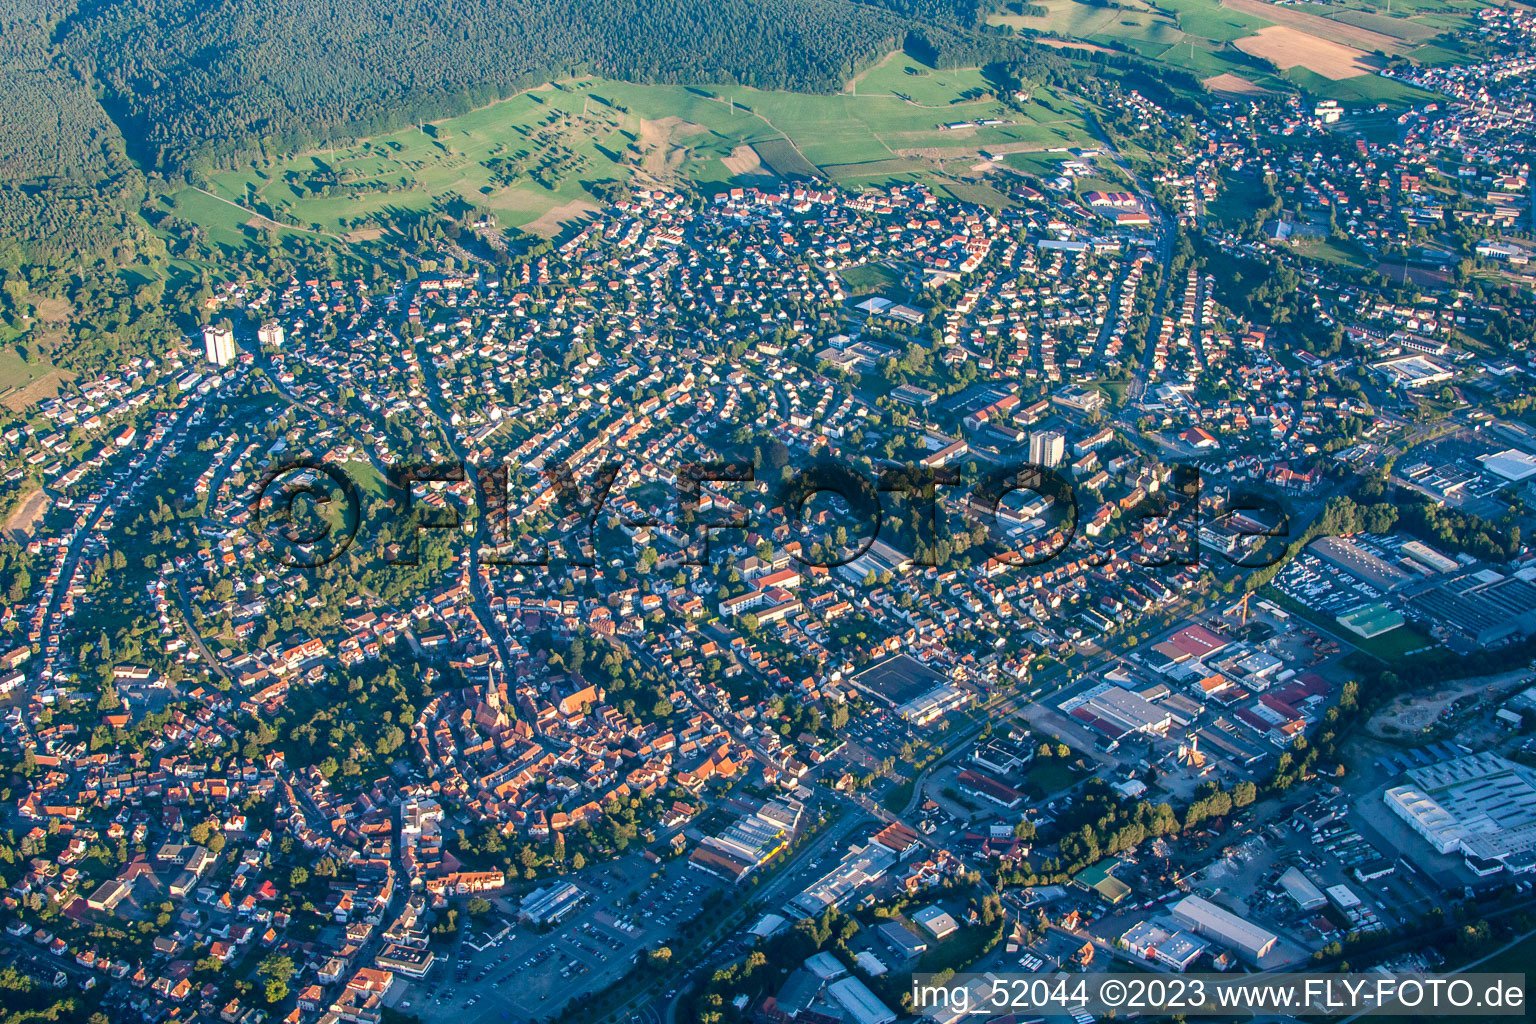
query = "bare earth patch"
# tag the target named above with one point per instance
(1233, 85)
(743, 160)
(661, 151)
(363, 234)
(46, 386)
(53, 310)
(19, 524)
(1288, 47)
(554, 221)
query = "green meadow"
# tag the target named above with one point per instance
(544, 158)
(16, 372)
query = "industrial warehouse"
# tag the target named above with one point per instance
(1481, 805)
(1205, 918)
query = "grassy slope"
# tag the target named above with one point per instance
(540, 151)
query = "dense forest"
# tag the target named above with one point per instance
(62, 170)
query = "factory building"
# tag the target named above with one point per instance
(1206, 918)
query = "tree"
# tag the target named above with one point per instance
(277, 971)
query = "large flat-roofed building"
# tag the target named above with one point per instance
(1115, 712)
(907, 943)
(108, 895)
(1481, 805)
(1175, 949)
(1512, 464)
(878, 558)
(1360, 563)
(1242, 936)
(551, 903)
(1192, 643)
(1485, 606)
(860, 866)
(860, 1004)
(1428, 557)
(748, 842)
(911, 394)
(749, 838)
(1079, 399)
(916, 692)
(406, 960)
(1412, 371)
(1132, 711)
(1370, 620)
(935, 704)
(936, 922)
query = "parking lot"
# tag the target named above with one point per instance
(1323, 587)
(530, 974)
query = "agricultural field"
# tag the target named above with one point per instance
(1329, 49)
(1397, 28)
(1044, 165)
(1302, 23)
(1234, 85)
(1287, 48)
(1146, 26)
(1406, 19)
(979, 193)
(539, 160)
(887, 124)
(1359, 89)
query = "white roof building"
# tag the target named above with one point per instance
(936, 922)
(1511, 464)
(1301, 889)
(860, 1003)
(1206, 918)
(1481, 805)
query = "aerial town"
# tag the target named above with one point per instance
(748, 600)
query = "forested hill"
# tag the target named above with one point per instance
(62, 168)
(193, 81)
